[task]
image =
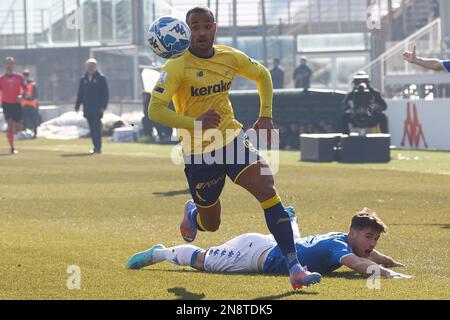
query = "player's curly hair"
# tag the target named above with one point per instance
(200, 9)
(367, 218)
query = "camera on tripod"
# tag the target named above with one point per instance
(362, 103)
(363, 108)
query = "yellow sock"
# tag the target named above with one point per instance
(271, 202)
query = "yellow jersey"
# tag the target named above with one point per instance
(197, 84)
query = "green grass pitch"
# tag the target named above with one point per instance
(59, 209)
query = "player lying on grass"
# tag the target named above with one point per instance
(258, 253)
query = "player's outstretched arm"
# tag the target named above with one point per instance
(253, 70)
(363, 266)
(170, 80)
(158, 111)
(265, 90)
(384, 260)
(433, 64)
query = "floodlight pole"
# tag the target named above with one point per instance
(137, 24)
(444, 11)
(80, 17)
(264, 31)
(390, 20)
(25, 26)
(99, 22)
(217, 11)
(234, 27)
(153, 11)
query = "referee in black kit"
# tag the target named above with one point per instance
(93, 94)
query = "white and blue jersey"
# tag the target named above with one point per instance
(446, 65)
(320, 253)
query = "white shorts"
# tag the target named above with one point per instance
(240, 254)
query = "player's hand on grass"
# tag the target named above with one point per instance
(210, 119)
(266, 123)
(394, 264)
(409, 56)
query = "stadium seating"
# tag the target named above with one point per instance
(290, 105)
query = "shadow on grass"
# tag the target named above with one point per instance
(183, 294)
(287, 294)
(171, 193)
(442, 225)
(69, 155)
(349, 275)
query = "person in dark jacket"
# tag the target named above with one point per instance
(277, 74)
(302, 75)
(93, 95)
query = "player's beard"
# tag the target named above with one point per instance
(204, 45)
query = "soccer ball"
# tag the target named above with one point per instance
(169, 37)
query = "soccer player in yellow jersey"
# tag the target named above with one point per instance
(198, 84)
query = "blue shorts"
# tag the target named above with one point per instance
(206, 172)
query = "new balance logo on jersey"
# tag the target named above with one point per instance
(216, 88)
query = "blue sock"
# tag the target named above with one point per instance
(192, 216)
(279, 224)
